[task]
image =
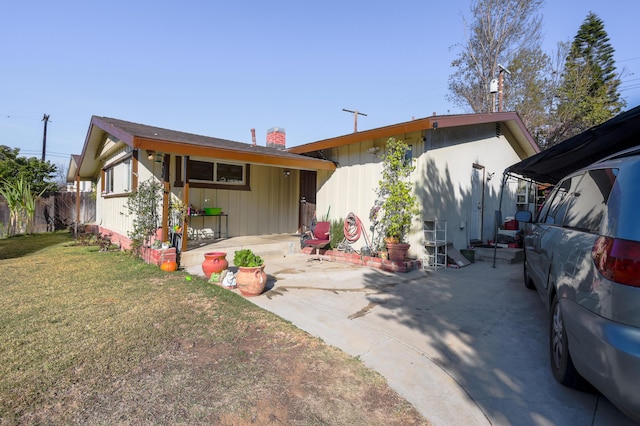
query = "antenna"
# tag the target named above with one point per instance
(355, 118)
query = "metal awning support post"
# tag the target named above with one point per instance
(505, 176)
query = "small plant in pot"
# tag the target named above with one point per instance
(395, 206)
(251, 278)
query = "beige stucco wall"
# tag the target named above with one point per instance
(442, 180)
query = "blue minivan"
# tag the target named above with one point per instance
(582, 255)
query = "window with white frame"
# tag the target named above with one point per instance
(117, 177)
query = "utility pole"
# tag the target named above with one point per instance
(45, 118)
(355, 118)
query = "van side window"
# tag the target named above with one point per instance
(561, 199)
(590, 200)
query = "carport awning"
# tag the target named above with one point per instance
(551, 165)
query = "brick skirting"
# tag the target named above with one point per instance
(374, 262)
(149, 255)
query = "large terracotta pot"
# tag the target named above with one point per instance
(214, 262)
(397, 252)
(251, 281)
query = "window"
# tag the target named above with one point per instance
(118, 177)
(559, 203)
(590, 200)
(214, 172)
(108, 181)
(408, 155)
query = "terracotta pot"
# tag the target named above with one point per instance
(397, 252)
(251, 281)
(214, 262)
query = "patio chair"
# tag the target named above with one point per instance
(321, 238)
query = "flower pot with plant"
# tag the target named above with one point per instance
(395, 206)
(251, 278)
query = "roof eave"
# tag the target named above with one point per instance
(512, 119)
(181, 148)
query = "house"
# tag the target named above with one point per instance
(459, 160)
(258, 188)
(83, 186)
(271, 190)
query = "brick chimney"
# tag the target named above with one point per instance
(276, 138)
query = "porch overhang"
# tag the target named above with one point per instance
(106, 134)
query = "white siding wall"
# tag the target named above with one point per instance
(271, 207)
(442, 180)
(445, 185)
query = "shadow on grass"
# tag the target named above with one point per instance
(22, 245)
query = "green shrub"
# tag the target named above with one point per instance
(247, 259)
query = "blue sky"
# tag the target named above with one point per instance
(220, 68)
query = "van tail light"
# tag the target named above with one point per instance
(618, 260)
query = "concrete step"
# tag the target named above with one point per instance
(266, 246)
(503, 255)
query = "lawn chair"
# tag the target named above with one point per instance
(321, 238)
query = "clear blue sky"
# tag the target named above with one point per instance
(220, 68)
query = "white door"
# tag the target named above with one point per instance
(477, 201)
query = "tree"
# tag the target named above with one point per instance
(588, 94)
(39, 174)
(143, 204)
(530, 88)
(501, 33)
(21, 202)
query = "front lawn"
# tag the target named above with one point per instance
(102, 338)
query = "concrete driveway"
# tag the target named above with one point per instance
(465, 346)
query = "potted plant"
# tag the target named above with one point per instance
(251, 278)
(395, 206)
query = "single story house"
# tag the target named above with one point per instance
(459, 161)
(271, 189)
(256, 187)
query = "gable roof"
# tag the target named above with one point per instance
(525, 145)
(74, 160)
(551, 165)
(140, 136)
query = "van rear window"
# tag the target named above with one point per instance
(589, 200)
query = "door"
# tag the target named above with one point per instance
(307, 199)
(477, 202)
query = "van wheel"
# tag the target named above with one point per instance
(527, 279)
(561, 364)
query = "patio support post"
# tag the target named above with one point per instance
(185, 227)
(165, 197)
(505, 176)
(77, 203)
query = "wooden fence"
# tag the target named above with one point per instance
(54, 212)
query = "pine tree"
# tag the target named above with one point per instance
(588, 94)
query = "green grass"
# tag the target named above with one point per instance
(101, 338)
